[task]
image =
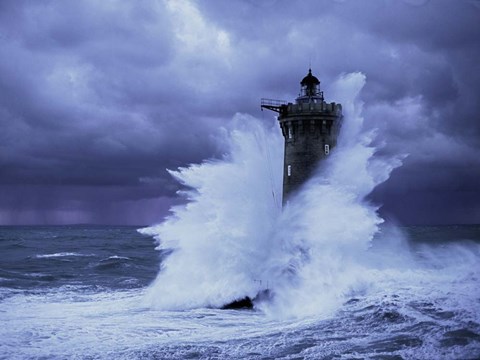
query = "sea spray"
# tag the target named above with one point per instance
(223, 236)
(328, 226)
(231, 239)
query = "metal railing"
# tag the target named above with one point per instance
(272, 102)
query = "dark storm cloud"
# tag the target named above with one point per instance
(90, 97)
(86, 94)
(100, 97)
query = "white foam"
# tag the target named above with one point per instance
(232, 238)
(116, 257)
(223, 235)
(61, 254)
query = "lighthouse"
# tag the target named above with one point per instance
(310, 127)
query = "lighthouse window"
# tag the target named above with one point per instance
(289, 170)
(327, 149)
(290, 135)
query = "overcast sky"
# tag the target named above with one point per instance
(98, 98)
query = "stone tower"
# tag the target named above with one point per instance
(310, 127)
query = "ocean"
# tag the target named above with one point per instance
(344, 283)
(81, 292)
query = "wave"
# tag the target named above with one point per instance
(116, 257)
(232, 238)
(61, 254)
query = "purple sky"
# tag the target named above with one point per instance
(98, 98)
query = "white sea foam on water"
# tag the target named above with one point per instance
(223, 236)
(69, 324)
(61, 254)
(232, 239)
(116, 257)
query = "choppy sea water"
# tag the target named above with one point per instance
(79, 292)
(345, 284)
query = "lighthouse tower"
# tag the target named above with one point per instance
(310, 127)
